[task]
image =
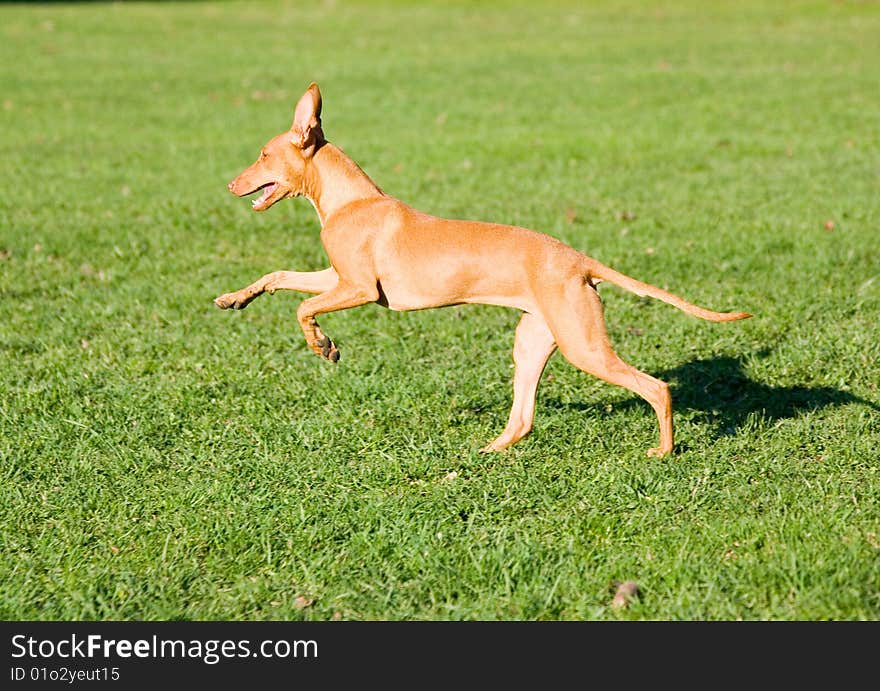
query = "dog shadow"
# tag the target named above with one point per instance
(724, 398)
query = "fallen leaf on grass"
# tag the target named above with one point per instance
(626, 593)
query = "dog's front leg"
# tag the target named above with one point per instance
(302, 281)
(341, 297)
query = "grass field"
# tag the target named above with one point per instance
(161, 459)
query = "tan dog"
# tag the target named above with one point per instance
(383, 251)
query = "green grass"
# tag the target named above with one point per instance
(161, 459)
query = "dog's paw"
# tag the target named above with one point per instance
(234, 300)
(497, 445)
(327, 349)
(658, 452)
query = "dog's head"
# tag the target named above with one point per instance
(280, 170)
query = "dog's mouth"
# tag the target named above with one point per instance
(263, 201)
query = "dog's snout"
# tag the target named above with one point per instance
(231, 186)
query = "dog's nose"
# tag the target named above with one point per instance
(230, 185)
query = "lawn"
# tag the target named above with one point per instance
(162, 459)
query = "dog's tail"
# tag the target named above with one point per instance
(597, 271)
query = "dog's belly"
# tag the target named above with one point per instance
(404, 298)
(427, 303)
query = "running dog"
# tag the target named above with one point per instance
(383, 251)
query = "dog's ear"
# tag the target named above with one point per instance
(306, 126)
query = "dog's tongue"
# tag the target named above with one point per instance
(267, 192)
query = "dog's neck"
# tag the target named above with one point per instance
(333, 180)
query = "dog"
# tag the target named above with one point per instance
(383, 251)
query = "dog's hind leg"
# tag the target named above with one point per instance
(302, 281)
(532, 347)
(579, 329)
